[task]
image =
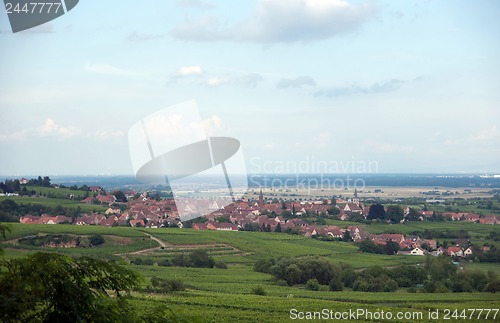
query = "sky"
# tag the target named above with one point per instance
(409, 86)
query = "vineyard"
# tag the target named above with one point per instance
(218, 294)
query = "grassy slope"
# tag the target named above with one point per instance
(53, 202)
(225, 295)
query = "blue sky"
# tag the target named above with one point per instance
(411, 85)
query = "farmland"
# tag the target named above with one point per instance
(214, 294)
(54, 202)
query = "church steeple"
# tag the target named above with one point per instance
(261, 199)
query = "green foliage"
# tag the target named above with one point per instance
(300, 270)
(160, 285)
(369, 246)
(394, 213)
(376, 211)
(96, 239)
(312, 284)
(335, 284)
(51, 287)
(264, 265)
(120, 196)
(259, 290)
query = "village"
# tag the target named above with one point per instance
(264, 215)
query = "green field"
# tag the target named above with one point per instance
(63, 193)
(54, 202)
(216, 295)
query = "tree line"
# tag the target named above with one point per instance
(438, 274)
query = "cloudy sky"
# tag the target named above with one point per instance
(411, 85)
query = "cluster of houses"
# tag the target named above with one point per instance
(254, 213)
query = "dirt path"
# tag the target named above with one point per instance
(160, 242)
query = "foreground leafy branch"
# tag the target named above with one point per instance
(49, 287)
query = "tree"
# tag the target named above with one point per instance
(413, 215)
(278, 227)
(376, 211)
(120, 196)
(312, 284)
(50, 287)
(347, 236)
(3, 230)
(391, 247)
(96, 239)
(46, 181)
(395, 213)
(369, 246)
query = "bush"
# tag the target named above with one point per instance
(197, 258)
(164, 263)
(160, 285)
(148, 262)
(300, 270)
(335, 285)
(220, 264)
(312, 284)
(259, 290)
(96, 239)
(264, 265)
(136, 261)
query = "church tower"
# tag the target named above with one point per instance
(261, 199)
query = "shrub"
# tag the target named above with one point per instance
(220, 264)
(96, 239)
(148, 262)
(164, 263)
(160, 285)
(335, 285)
(312, 284)
(259, 290)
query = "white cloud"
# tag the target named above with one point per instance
(375, 88)
(248, 80)
(190, 70)
(283, 21)
(296, 82)
(216, 81)
(51, 129)
(106, 69)
(176, 126)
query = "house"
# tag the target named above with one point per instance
(112, 211)
(455, 251)
(217, 226)
(106, 199)
(95, 188)
(431, 243)
(23, 181)
(488, 219)
(471, 217)
(199, 226)
(88, 200)
(418, 252)
(136, 223)
(426, 214)
(468, 252)
(486, 248)
(352, 207)
(29, 219)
